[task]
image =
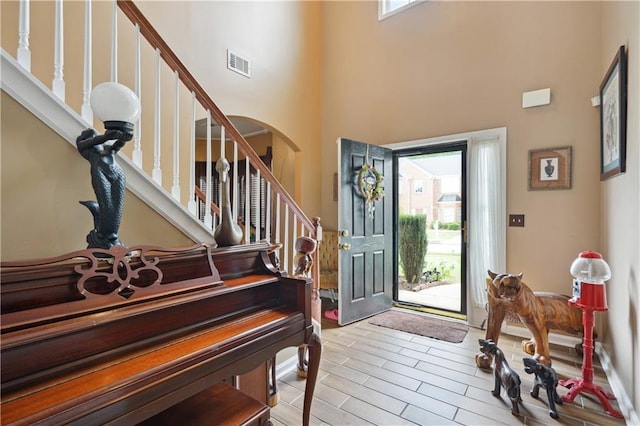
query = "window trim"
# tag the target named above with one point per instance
(382, 15)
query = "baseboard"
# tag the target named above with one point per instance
(286, 365)
(624, 402)
(558, 339)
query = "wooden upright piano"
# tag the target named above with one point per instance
(124, 335)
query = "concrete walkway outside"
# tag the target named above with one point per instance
(446, 296)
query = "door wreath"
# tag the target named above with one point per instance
(370, 185)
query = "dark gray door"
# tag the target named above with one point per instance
(365, 236)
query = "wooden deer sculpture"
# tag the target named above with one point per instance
(504, 375)
(538, 311)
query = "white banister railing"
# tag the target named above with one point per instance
(87, 75)
(267, 235)
(285, 254)
(114, 43)
(236, 183)
(175, 188)
(58, 53)
(259, 201)
(156, 173)
(137, 143)
(191, 204)
(258, 211)
(247, 201)
(208, 220)
(24, 54)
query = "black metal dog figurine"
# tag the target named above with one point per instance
(548, 379)
(503, 373)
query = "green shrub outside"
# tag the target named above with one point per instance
(412, 245)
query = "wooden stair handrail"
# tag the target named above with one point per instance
(146, 29)
(203, 197)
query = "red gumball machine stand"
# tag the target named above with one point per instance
(590, 297)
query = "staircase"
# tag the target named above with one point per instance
(173, 193)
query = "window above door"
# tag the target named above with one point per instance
(387, 8)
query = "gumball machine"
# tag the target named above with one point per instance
(589, 273)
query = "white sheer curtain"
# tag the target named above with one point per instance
(487, 218)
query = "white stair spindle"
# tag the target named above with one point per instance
(156, 173)
(24, 54)
(267, 224)
(192, 205)
(247, 201)
(223, 143)
(114, 42)
(175, 189)
(293, 242)
(277, 217)
(222, 155)
(285, 254)
(58, 55)
(137, 132)
(219, 192)
(258, 209)
(236, 185)
(208, 221)
(86, 111)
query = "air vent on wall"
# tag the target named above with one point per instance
(238, 64)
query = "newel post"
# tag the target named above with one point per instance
(316, 305)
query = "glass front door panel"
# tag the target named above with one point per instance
(430, 201)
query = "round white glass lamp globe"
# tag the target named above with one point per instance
(589, 266)
(114, 102)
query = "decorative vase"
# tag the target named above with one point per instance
(548, 169)
(228, 233)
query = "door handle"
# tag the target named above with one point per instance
(344, 233)
(344, 246)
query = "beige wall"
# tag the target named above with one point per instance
(451, 67)
(621, 207)
(282, 39)
(42, 178)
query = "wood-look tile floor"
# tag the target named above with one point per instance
(371, 375)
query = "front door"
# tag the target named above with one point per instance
(365, 231)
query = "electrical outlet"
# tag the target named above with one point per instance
(516, 220)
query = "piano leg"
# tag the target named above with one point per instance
(273, 383)
(314, 346)
(303, 363)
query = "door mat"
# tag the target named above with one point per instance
(448, 331)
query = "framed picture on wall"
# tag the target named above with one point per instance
(550, 168)
(613, 118)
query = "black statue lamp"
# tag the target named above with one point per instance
(118, 108)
